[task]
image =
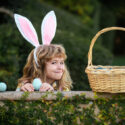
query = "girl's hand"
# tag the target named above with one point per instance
(27, 87)
(46, 87)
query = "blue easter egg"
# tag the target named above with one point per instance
(37, 84)
(99, 68)
(3, 86)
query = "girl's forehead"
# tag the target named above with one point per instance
(57, 58)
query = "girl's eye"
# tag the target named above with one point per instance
(53, 62)
(61, 62)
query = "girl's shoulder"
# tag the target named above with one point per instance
(56, 87)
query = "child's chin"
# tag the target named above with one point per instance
(58, 78)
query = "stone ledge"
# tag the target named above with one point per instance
(13, 95)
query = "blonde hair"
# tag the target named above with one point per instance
(45, 53)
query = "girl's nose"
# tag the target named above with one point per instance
(59, 66)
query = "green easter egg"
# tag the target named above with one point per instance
(37, 84)
(3, 86)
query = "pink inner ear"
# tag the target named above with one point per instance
(49, 30)
(28, 31)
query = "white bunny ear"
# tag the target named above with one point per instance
(27, 30)
(48, 27)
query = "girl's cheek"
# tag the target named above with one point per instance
(63, 68)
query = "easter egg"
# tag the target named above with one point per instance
(3, 86)
(99, 68)
(37, 84)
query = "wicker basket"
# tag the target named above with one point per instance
(109, 79)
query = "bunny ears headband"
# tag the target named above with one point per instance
(48, 29)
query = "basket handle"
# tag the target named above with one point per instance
(95, 38)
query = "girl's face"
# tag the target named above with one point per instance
(54, 69)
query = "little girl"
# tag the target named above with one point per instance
(45, 61)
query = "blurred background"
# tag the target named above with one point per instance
(78, 21)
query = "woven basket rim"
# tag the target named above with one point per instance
(105, 69)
